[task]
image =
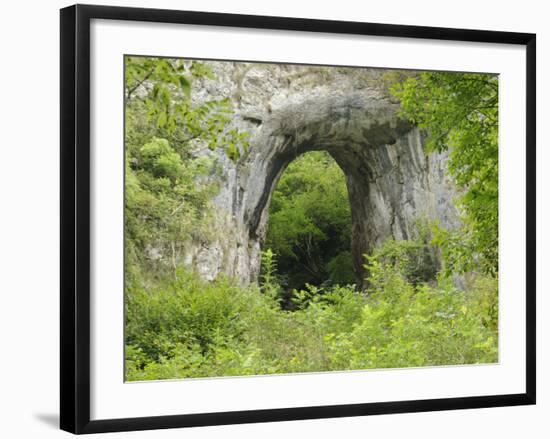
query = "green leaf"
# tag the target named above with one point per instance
(185, 84)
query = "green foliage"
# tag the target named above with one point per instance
(168, 197)
(414, 259)
(162, 88)
(166, 206)
(460, 113)
(407, 326)
(340, 269)
(184, 313)
(191, 328)
(310, 223)
(269, 284)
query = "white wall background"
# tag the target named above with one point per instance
(29, 206)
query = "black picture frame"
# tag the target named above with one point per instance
(75, 218)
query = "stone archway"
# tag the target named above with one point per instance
(391, 181)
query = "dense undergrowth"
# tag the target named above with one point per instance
(187, 327)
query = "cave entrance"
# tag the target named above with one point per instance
(310, 224)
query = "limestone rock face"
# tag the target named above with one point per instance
(290, 110)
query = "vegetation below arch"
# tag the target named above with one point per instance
(189, 328)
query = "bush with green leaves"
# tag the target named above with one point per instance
(187, 327)
(406, 325)
(168, 197)
(460, 114)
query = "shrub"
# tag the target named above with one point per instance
(187, 327)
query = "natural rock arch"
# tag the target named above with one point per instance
(391, 181)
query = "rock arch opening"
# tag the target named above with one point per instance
(375, 150)
(391, 181)
(309, 225)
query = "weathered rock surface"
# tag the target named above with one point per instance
(290, 110)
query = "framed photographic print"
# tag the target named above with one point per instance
(267, 218)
